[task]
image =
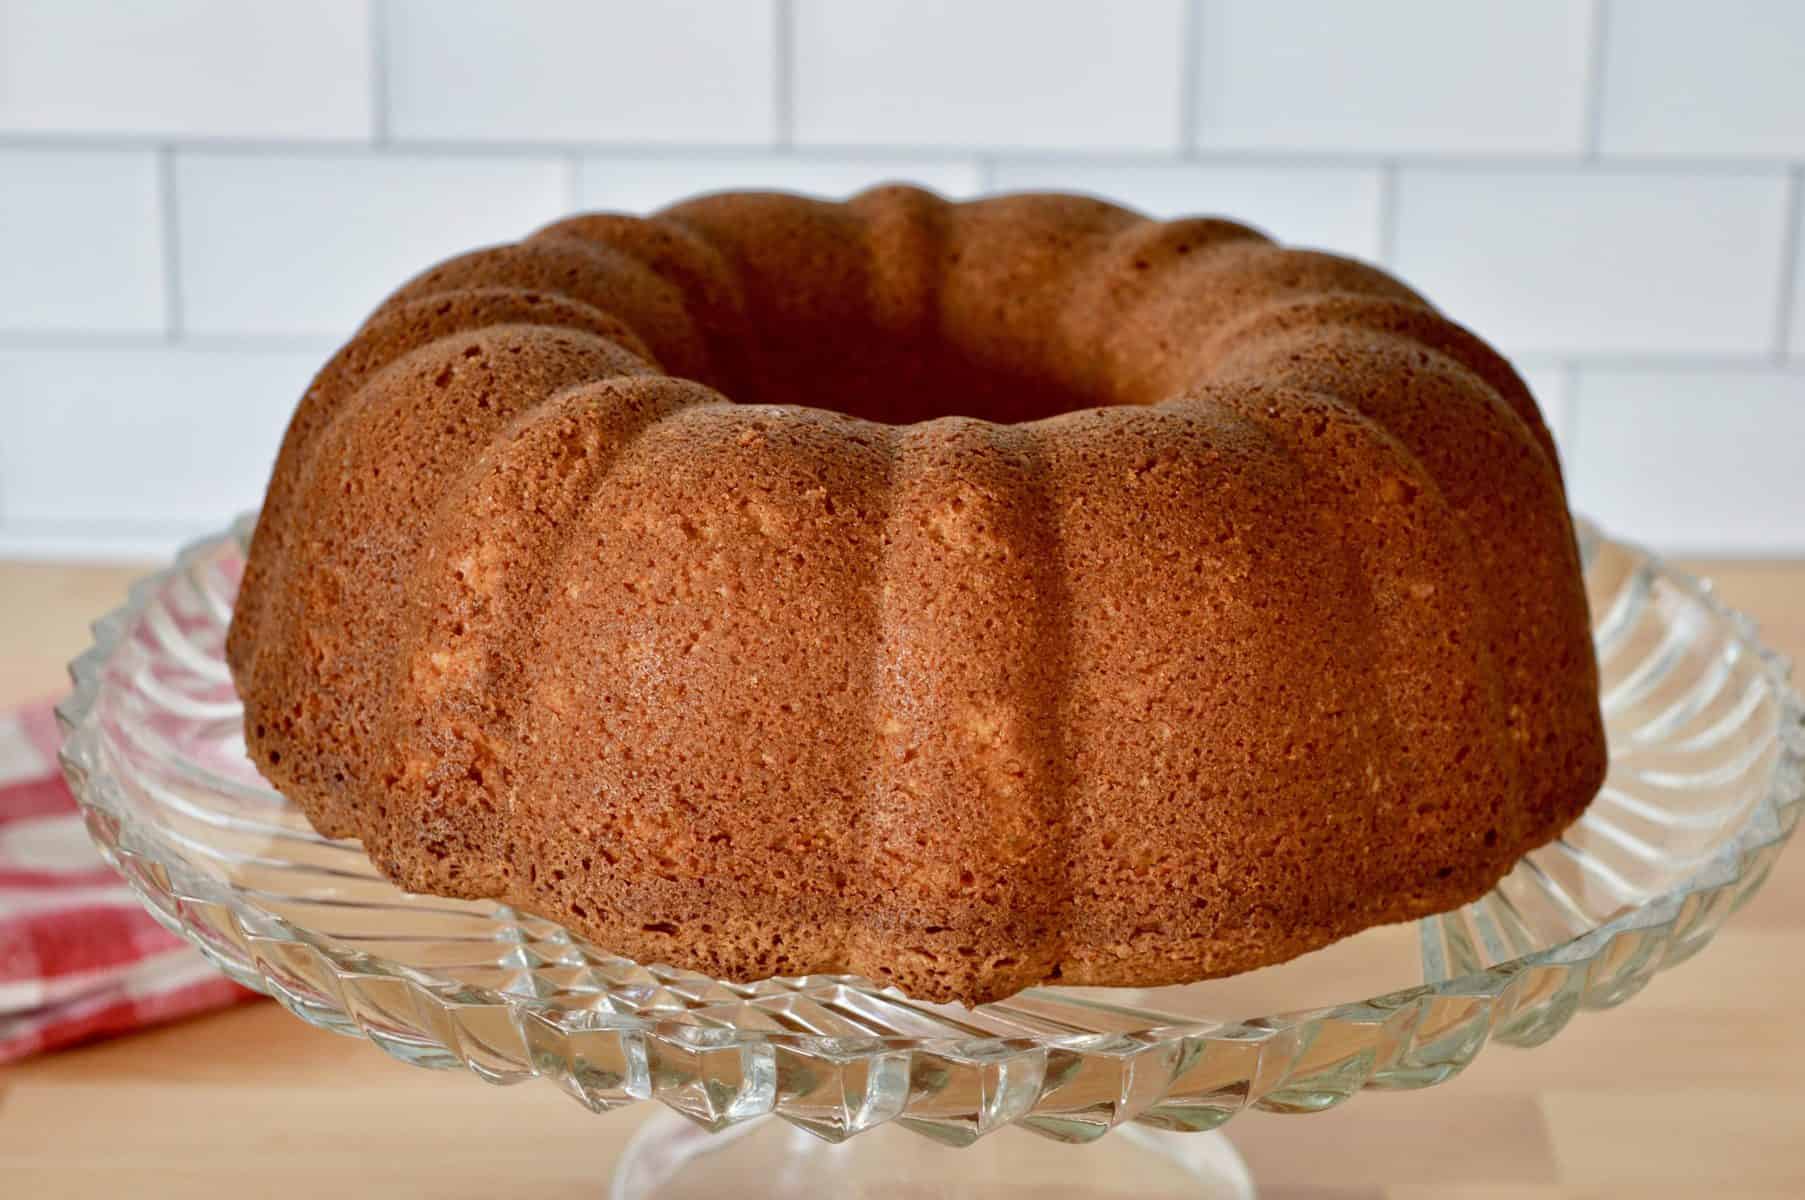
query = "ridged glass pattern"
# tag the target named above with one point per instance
(1707, 775)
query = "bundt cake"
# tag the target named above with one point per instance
(966, 596)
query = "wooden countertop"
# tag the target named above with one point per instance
(1696, 1087)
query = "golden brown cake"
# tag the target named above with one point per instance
(961, 595)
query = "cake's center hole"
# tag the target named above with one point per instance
(903, 381)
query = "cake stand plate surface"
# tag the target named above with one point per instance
(831, 1085)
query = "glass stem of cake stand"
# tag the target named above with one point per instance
(670, 1158)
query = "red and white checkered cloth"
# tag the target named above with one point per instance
(79, 958)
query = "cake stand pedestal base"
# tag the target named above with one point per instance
(672, 1159)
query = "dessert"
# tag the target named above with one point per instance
(962, 595)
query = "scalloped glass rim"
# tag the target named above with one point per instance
(1713, 732)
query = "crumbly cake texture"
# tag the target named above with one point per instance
(1237, 609)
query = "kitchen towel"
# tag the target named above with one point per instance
(79, 957)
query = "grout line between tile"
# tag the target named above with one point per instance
(573, 182)
(1388, 213)
(1754, 363)
(170, 232)
(1502, 163)
(1790, 251)
(784, 74)
(379, 72)
(102, 341)
(1190, 80)
(1600, 30)
(98, 339)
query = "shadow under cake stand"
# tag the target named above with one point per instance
(820, 1085)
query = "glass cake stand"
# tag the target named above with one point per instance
(766, 1084)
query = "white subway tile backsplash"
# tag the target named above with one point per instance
(1693, 460)
(1015, 73)
(1327, 208)
(191, 68)
(1723, 79)
(1593, 185)
(80, 241)
(1387, 76)
(157, 444)
(696, 71)
(1571, 262)
(640, 185)
(307, 244)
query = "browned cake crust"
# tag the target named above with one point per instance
(1237, 611)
